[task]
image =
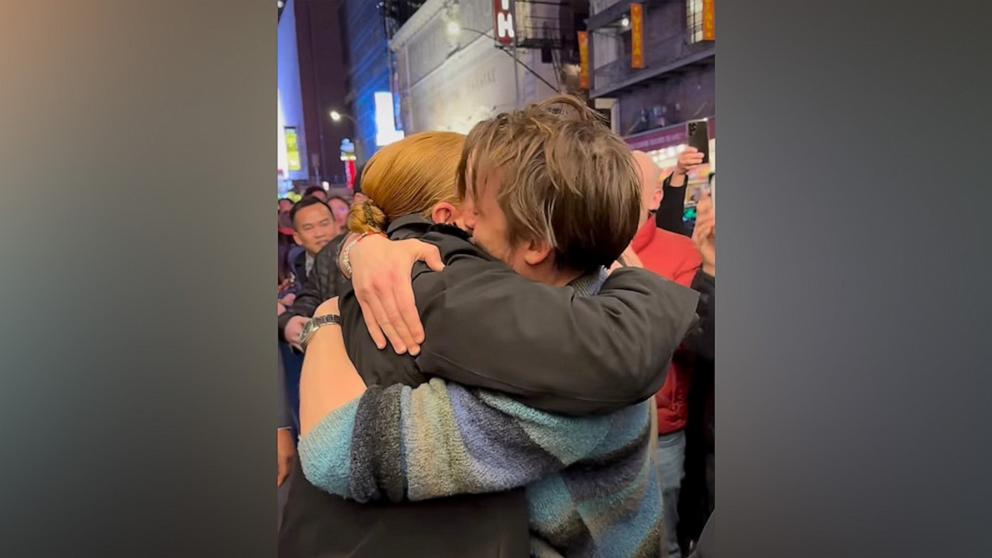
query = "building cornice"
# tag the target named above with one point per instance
(418, 21)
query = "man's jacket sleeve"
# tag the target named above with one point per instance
(551, 349)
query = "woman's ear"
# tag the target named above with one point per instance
(444, 213)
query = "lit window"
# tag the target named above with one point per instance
(694, 20)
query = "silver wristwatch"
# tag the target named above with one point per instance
(314, 324)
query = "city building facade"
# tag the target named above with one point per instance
(651, 65)
(459, 62)
(323, 87)
(369, 101)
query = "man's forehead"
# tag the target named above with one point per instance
(481, 174)
(314, 212)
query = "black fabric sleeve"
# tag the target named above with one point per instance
(487, 326)
(701, 339)
(669, 216)
(321, 284)
(307, 301)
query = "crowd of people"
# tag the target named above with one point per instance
(305, 228)
(503, 346)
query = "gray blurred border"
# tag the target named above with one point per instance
(853, 329)
(137, 241)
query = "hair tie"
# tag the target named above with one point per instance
(369, 214)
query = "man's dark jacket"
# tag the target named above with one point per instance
(577, 355)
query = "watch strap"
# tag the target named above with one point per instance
(316, 323)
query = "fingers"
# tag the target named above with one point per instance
(402, 339)
(703, 232)
(372, 324)
(408, 315)
(383, 319)
(431, 256)
(690, 158)
(386, 295)
(294, 330)
(704, 207)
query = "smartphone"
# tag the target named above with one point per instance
(699, 137)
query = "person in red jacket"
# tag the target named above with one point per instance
(675, 257)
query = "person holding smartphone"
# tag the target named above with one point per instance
(672, 202)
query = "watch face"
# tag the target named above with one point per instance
(307, 331)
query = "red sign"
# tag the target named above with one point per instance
(349, 172)
(583, 59)
(636, 36)
(503, 21)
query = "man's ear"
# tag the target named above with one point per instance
(537, 252)
(296, 237)
(444, 213)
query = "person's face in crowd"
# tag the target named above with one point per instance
(285, 206)
(313, 227)
(320, 195)
(340, 210)
(651, 191)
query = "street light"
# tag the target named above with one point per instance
(337, 116)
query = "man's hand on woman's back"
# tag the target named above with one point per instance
(381, 276)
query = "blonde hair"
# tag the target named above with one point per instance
(565, 179)
(406, 178)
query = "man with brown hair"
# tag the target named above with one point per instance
(555, 197)
(549, 191)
